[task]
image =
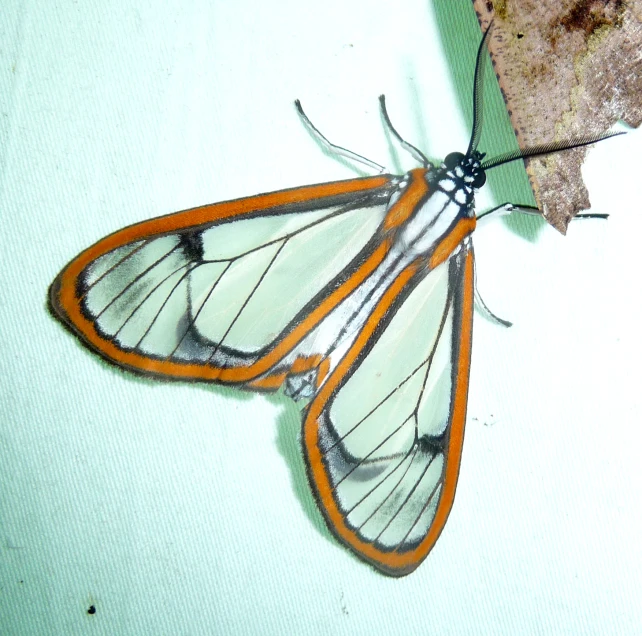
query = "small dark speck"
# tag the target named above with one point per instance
(92, 609)
(344, 607)
(520, 36)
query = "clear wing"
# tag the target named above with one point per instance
(213, 293)
(383, 436)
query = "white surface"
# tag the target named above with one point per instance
(183, 509)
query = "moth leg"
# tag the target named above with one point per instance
(479, 301)
(413, 150)
(337, 150)
(508, 208)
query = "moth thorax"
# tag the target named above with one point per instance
(432, 219)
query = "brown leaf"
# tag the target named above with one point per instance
(567, 69)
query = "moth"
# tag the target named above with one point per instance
(354, 297)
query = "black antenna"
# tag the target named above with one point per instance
(514, 155)
(546, 149)
(478, 90)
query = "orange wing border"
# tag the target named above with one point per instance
(396, 563)
(65, 301)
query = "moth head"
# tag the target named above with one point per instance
(466, 168)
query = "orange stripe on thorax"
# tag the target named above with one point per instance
(450, 241)
(416, 191)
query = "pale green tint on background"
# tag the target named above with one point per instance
(184, 509)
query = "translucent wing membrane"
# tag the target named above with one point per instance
(357, 295)
(183, 297)
(383, 436)
(322, 290)
(215, 293)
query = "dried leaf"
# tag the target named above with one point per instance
(567, 69)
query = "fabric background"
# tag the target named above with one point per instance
(184, 509)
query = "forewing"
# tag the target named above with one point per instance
(383, 437)
(213, 293)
